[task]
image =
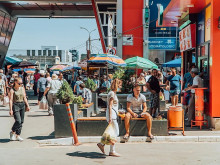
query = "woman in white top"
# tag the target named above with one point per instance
(111, 115)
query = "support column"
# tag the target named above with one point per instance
(214, 61)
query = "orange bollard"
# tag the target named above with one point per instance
(199, 108)
(76, 142)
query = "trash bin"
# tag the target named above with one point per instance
(175, 116)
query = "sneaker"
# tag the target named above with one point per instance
(101, 147)
(12, 136)
(19, 138)
(115, 154)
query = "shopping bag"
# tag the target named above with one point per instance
(109, 136)
(6, 100)
(43, 103)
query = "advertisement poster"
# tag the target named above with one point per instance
(187, 37)
(4, 30)
(201, 28)
(208, 23)
(2, 16)
(11, 28)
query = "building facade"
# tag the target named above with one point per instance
(44, 56)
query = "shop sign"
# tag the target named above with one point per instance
(128, 40)
(187, 37)
(162, 43)
(201, 28)
(208, 23)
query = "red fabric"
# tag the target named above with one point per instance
(36, 77)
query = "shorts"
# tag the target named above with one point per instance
(174, 92)
(40, 96)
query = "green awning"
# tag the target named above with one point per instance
(12, 60)
(140, 63)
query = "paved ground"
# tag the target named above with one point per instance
(38, 126)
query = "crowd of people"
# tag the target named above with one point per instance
(161, 85)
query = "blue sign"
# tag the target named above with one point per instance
(162, 43)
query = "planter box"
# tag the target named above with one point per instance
(137, 127)
(61, 119)
(95, 101)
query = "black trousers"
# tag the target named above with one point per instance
(18, 112)
(35, 88)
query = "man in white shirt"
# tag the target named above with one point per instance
(197, 83)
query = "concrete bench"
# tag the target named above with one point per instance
(95, 126)
(87, 109)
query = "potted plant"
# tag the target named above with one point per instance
(61, 120)
(90, 84)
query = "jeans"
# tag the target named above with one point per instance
(18, 111)
(35, 88)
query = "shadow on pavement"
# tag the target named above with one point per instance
(37, 115)
(90, 155)
(41, 137)
(4, 140)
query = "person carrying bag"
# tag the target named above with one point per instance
(109, 137)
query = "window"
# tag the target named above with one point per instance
(44, 52)
(28, 53)
(49, 52)
(60, 54)
(39, 53)
(33, 52)
(54, 53)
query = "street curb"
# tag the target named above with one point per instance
(96, 139)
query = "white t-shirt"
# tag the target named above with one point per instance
(197, 81)
(114, 106)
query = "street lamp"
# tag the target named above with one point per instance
(88, 47)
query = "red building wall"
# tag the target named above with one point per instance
(132, 17)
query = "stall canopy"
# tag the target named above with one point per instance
(140, 63)
(23, 64)
(106, 59)
(57, 67)
(69, 68)
(12, 60)
(176, 63)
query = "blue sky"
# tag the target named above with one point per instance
(32, 33)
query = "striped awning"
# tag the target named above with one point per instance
(107, 59)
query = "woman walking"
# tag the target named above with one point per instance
(17, 103)
(111, 115)
(52, 89)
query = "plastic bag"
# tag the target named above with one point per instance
(109, 136)
(6, 100)
(43, 103)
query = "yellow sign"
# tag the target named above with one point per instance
(208, 23)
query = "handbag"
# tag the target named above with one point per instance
(43, 103)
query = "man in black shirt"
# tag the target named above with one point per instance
(154, 87)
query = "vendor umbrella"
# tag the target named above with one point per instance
(57, 67)
(140, 63)
(23, 64)
(107, 59)
(68, 68)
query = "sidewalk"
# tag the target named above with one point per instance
(39, 130)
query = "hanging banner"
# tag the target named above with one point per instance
(201, 28)
(208, 23)
(187, 37)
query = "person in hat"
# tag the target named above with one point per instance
(197, 83)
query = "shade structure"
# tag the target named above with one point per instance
(57, 67)
(12, 60)
(68, 68)
(176, 63)
(107, 59)
(140, 63)
(30, 70)
(23, 64)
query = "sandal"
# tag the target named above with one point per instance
(126, 137)
(151, 137)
